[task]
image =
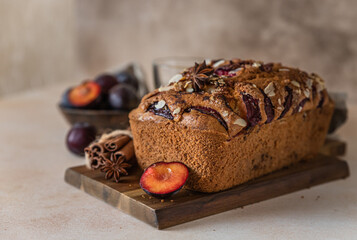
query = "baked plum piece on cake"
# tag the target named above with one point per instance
(230, 121)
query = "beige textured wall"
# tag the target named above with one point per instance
(47, 41)
(315, 35)
(37, 43)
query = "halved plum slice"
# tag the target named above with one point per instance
(162, 180)
(85, 95)
(163, 112)
(253, 111)
(288, 101)
(211, 112)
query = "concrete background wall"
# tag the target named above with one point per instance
(37, 43)
(72, 38)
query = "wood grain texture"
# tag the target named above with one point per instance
(187, 205)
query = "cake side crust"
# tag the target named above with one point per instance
(217, 162)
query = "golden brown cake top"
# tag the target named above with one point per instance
(239, 94)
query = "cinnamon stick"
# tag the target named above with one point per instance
(127, 151)
(116, 143)
(95, 149)
(94, 155)
(111, 149)
(95, 162)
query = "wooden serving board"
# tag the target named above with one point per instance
(187, 205)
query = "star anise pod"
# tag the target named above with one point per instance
(200, 75)
(115, 166)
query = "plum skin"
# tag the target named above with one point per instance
(123, 97)
(64, 99)
(163, 112)
(253, 111)
(161, 196)
(128, 78)
(79, 137)
(106, 82)
(164, 195)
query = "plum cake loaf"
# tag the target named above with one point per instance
(231, 121)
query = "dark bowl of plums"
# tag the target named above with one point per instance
(105, 101)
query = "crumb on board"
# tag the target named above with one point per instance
(171, 200)
(302, 197)
(162, 200)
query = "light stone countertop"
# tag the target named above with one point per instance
(36, 203)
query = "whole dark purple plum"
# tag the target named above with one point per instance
(106, 82)
(128, 78)
(79, 137)
(123, 97)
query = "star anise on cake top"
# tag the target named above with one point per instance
(115, 166)
(200, 75)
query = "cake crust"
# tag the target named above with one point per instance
(232, 121)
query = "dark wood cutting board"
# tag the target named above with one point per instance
(187, 205)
